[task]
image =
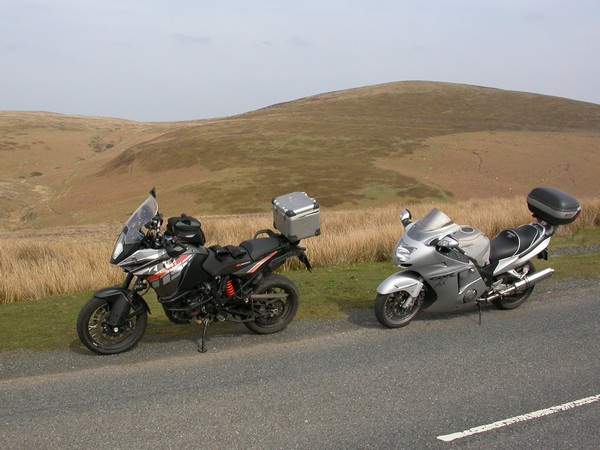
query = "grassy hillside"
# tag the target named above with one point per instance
(368, 146)
(43, 152)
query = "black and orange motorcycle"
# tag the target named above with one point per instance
(197, 283)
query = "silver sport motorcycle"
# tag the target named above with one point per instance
(449, 267)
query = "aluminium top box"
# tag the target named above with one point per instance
(553, 205)
(296, 216)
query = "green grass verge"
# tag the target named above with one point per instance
(50, 323)
(325, 294)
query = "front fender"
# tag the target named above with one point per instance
(401, 281)
(112, 294)
(120, 301)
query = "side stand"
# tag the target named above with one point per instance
(205, 323)
(479, 310)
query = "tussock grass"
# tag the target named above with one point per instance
(55, 262)
(35, 268)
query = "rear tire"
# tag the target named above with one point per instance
(280, 312)
(391, 312)
(94, 333)
(516, 300)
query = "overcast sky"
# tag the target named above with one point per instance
(159, 60)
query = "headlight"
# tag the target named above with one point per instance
(403, 253)
(118, 249)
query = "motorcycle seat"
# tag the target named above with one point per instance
(513, 241)
(219, 262)
(223, 253)
(258, 248)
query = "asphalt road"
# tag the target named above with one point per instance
(325, 384)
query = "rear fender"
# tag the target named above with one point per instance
(401, 281)
(122, 300)
(299, 252)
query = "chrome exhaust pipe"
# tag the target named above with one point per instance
(523, 284)
(529, 281)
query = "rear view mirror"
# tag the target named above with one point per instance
(405, 217)
(448, 242)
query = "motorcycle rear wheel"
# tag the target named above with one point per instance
(280, 311)
(94, 333)
(390, 310)
(516, 300)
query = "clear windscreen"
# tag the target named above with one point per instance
(145, 213)
(132, 231)
(131, 235)
(434, 222)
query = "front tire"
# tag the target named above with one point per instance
(516, 300)
(276, 314)
(95, 334)
(392, 311)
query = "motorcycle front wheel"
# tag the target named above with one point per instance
(95, 334)
(274, 314)
(391, 310)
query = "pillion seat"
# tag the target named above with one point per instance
(258, 248)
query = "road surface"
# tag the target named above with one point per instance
(327, 384)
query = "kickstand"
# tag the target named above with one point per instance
(479, 307)
(205, 323)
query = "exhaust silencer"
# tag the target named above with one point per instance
(529, 281)
(523, 284)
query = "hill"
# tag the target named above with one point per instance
(393, 142)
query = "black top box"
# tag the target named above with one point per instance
(553, 205)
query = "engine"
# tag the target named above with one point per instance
(192, 304)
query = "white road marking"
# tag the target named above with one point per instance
(522, 418)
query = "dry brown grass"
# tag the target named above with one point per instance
(71, 260)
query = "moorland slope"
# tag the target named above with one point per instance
(404, 141)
